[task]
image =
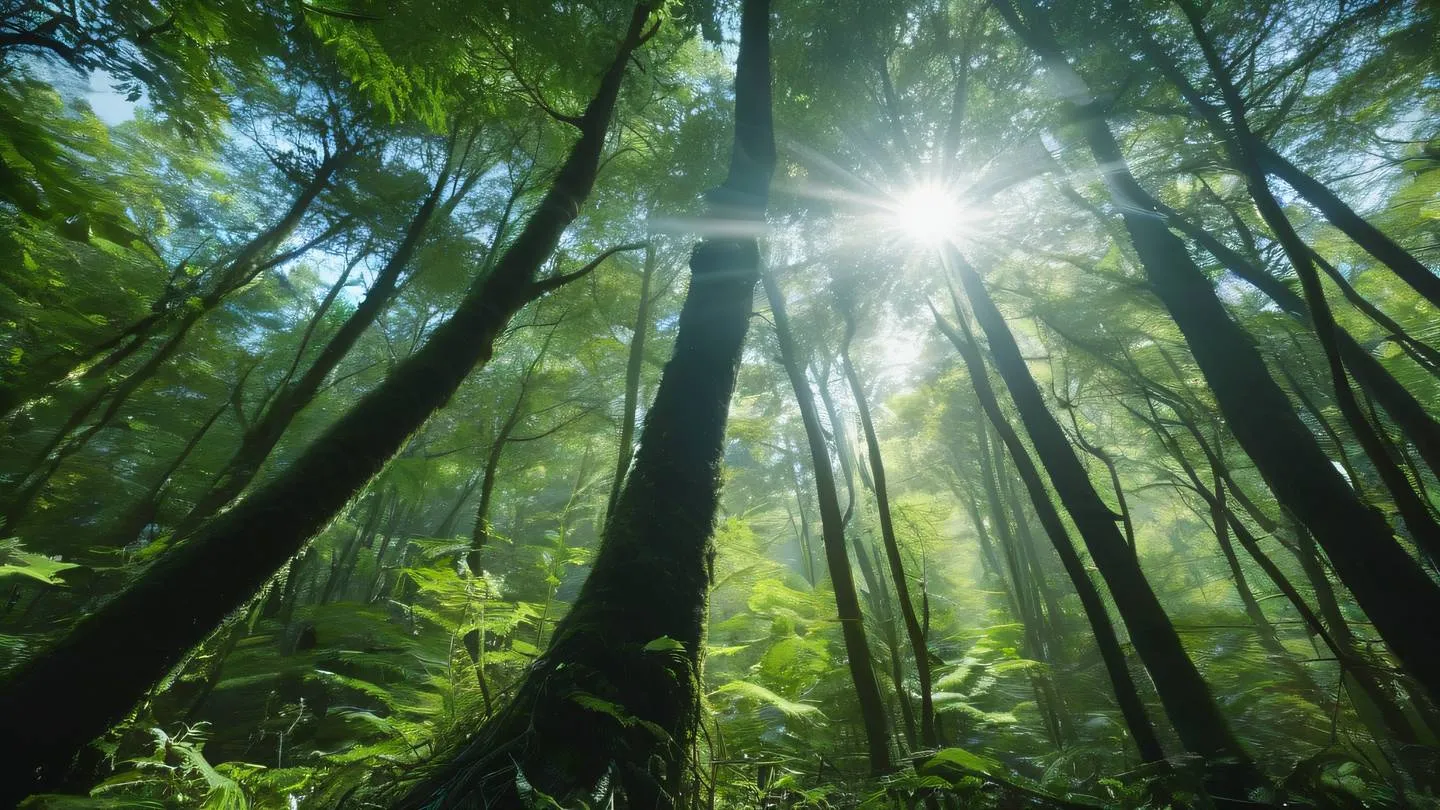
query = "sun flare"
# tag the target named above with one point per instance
(929, 214)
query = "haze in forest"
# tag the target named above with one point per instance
(710, 404)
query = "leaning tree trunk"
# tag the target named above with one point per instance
(139, 635)
(1244, 149)
(1390, 585)
(1126, 693)
(1184, 693)
(609, 711)
(1409, 414)
(261, 437)
(70, 439)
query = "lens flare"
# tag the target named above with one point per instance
(929, 215)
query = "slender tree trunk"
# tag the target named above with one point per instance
(989, 563)
(877, 592)
(634, 364)
(623, 664)
(1392, 588)
(1367, 236)
(452, 515)
(480, 534)
(879, 595)
(1126, 694)
(1246, 150)
(70, 439)
(1342, 455)
(911, 622)
(1027, 606)
(1412, 417)
(364, 533)
(1029, 551)
(842, 444)
(802, 532)
(170, 305)
(262, 436)
(225, 563)
(832, 530)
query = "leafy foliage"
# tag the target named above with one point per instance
(197, 198)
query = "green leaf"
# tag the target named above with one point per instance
(16, 562)
(760, 694)
(665, 644)
(960, 758)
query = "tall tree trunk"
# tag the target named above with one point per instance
(1126, 693)
(1392, 588)
(878, 594)
(615, 694)
(913, 630)
(634, 364)
(1027, 605)
(1030, 555)
(1184, 693)
(480, 533)
(832, 531)
(802, 532)
(842, 444)
(221, 566)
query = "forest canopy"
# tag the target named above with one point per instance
(697, 404)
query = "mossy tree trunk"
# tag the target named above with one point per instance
(609, 710)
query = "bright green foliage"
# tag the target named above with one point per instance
(125, 232)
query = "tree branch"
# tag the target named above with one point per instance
(554, 282)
